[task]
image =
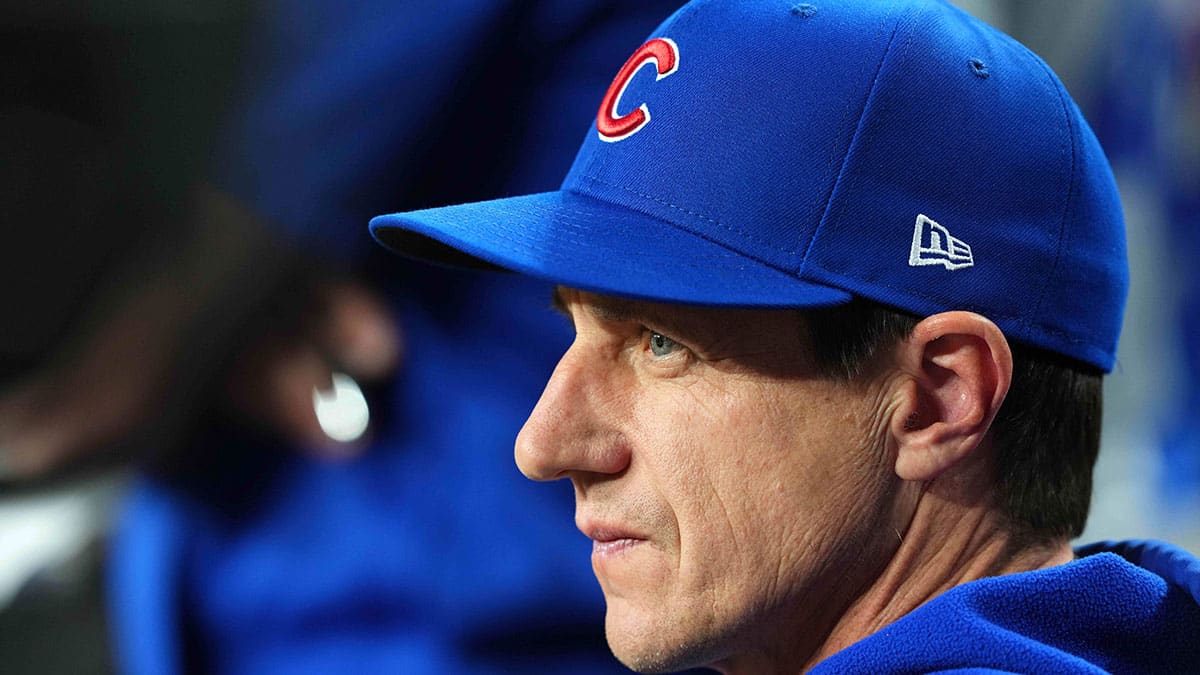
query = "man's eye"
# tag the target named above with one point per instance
(661, 345)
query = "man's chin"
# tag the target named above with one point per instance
(653, 642)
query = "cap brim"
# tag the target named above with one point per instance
(585, 243)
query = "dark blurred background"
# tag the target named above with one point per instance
(108, 122)
(108, 116)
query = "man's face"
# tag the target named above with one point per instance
(738, 500)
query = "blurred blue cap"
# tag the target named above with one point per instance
(773, 154)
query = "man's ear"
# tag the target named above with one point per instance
(958, 367)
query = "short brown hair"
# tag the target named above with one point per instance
(1047, 432)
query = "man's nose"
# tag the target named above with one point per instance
(573, 428)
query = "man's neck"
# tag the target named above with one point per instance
(955, 533)
(948, 543)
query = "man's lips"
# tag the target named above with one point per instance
(609, 540)
(614, 547)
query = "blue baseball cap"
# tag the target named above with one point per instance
(772, 154)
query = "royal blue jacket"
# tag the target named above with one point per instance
(1120, 607)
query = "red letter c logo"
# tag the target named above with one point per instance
(664, 54)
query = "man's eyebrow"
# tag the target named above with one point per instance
(618, 310)
(606, 308)
(556, 301)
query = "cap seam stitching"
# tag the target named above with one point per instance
(849, 148)
(731, 228)
(1062, 225)
(748, 256)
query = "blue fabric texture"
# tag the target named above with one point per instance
(900, 151)
(430, 553)
(1121, 607)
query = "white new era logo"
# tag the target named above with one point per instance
(933, 245)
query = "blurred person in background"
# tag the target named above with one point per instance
(258, 537)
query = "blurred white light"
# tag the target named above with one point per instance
(342, 411)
